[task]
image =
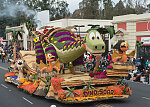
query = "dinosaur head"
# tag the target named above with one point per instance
(50, 57)
(94, 43)
(36, 39)
(124, 46)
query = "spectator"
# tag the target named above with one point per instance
(2, 56)
(142, 62)
(109, 57)
(146, 64)
(147, 76)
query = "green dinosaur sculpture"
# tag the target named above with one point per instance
(62, 44)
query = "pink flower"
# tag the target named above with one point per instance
(96, 73)
(111, 62)
(109, 67)
(104, 73)
(100, 76)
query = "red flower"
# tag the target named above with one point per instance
(91, 75)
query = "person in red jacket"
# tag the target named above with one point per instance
(109, 57)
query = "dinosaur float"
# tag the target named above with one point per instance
(60, 45)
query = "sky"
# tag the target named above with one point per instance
(74, 4)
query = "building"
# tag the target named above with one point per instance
(85, 22)
(23, 42)
(132, 28)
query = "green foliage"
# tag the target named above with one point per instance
(15, 33)
(70, 92)
(139, 43)
(106, 9)
(88, 85)
(34, 78)
(101, 30)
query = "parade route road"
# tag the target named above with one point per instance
(11, 96)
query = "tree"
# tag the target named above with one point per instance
(108, 9)
(119, 9)
(30, 24)
(15, 34)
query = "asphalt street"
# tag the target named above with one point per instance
(11, 96)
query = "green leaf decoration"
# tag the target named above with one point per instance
(76, 93)
(67, 94)
(72, 95)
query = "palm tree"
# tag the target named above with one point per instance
(30, 24)
(15, 34)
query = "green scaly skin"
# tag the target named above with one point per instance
(69, 54)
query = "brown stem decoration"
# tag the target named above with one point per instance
(97, 64)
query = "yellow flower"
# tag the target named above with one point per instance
(64, 47)
(55, 41)
(52, 38)
(63, 41)
(68, 46)
(78, 41)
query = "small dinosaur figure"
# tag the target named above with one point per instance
(50, 67)
(122, 57)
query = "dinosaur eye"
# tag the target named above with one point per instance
(92, 36)
(49, 55)
(98, 36)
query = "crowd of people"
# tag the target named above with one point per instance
(90, 61)
(141, 73)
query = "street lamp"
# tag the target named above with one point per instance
(79, 27)
(93, 25)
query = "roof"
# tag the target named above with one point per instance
(117, 45)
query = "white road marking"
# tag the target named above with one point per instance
(3, 68)
(27, 100)
(9, 90)
(4, 86)
(53, 106)
(146, 98)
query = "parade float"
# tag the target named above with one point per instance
(38, 72)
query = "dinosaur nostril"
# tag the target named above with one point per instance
(95, 47)
(102, 47)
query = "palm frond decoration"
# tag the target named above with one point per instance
(70, 92)
(88, 85)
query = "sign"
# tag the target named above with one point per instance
(97, 92)
(145, 40)
(1, 39)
